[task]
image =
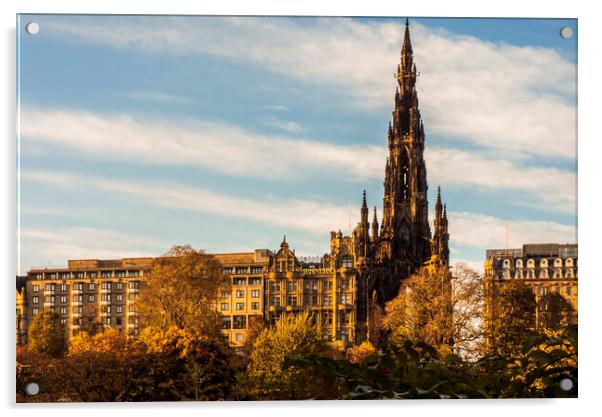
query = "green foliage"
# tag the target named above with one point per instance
(418, 370)
(292, 335)
(47, 334)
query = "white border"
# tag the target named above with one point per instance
(589, 207)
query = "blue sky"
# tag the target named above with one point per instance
(137, 133)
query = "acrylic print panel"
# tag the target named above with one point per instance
(267, 208)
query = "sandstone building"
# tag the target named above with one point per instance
(360, 271)
(550, 270)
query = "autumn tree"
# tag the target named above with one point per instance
(512, 318)
(47, 334)
(182, 292)
(293, 335)
(184, 364)
(423, 310)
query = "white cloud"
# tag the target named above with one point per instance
(56, 245)
(289, 126)
(220, 147)
(233, 151)
(155, 96)
(487, 232)
(314, 216)
(549, 189)
(505, 97)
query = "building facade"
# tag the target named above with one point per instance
(361, 271)
(550, 270)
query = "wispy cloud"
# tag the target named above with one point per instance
(59, 244)
(314, 216)
(482, 231)
(224, 148)
(234, 151)
(511, 98)
(155, 96)
(289, 126)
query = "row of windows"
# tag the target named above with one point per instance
(543, 273)
(557, 290)
(79, 298)
(93, 274)
(243, 281)
(239, 306)
(243, 270)
(543, 263)
(79, 286)
(240, 294)
(234, 322)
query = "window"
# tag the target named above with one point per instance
(328, 285)
(519, 263)
(105, 309)
(240, 306)
(275, 301)
(225, 294)
(239, 281)
(49, 287)
(344, 283)
(91, 286)
(569, 291)
(327, 300)
(34, 311)
(254, 281)
(255, 305)
(77, 309)
(121, 274)
(132, 296)
(105, 285)
(63, 310)
(63, 299)
(133, 273)
(347, 262)
(78, 286)
(240, 293)
(106, 297)
(92, 274)
(256, 270)
(291, 300)
(64, 275)
(91, 298)
(134, 285)
(274, 287)
(119, 285)
(118, 321)
(226, 322)
(119, 297)
(228, 271)
(108, 321)
(132, 308)
(133, 319)
(224, 306)
(35, 288)
(78, 298)
(78, 275)
(290, 286)
(63, 287)
(327, 317)
(37, 276)
(63, 322)
(240, 322)
(239, 337)
(345, 299)
(242, 269)
(106, 274)
(255, 293)
(119, 309)
(35, 299)
(49, 299)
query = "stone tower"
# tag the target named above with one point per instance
(404, 242)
